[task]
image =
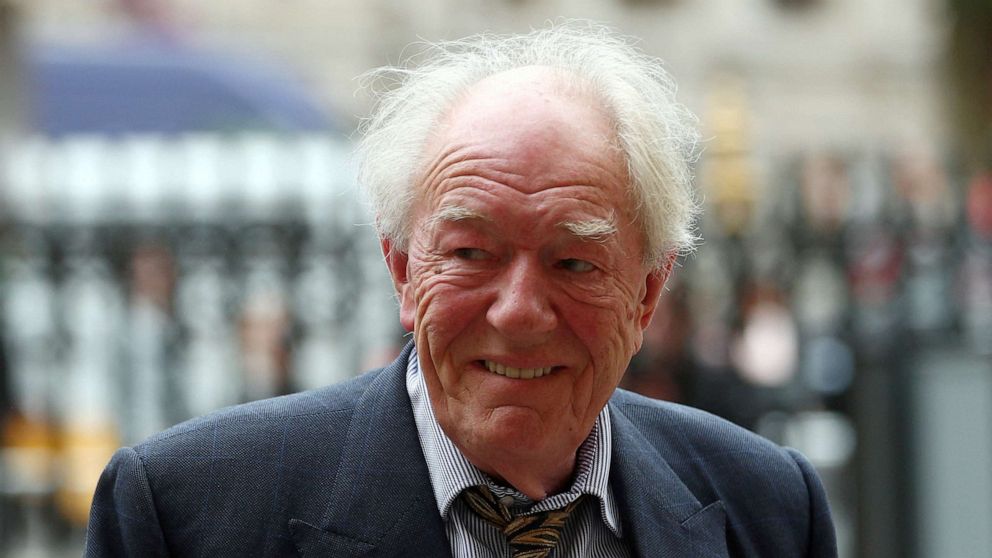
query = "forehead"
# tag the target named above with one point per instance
(530, 131)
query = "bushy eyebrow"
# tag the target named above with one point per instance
(595, 230)
(451, 213)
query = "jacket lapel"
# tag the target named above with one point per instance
(660, 515)
(381, 503)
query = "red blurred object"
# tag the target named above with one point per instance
(979, 205)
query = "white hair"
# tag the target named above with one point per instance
(657, 135)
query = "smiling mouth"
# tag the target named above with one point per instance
(517, 373)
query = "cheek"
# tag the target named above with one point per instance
(628, 312)
(444, 312)
(608, 327)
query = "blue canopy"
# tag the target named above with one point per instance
(161, 87)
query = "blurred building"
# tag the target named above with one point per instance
(816, 73)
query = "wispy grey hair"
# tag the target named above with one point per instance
(657, 135)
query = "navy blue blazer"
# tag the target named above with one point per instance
(339, 472)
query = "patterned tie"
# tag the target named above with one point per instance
(530, 536)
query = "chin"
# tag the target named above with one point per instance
(518, 430)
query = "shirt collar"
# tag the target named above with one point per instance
(451, 472)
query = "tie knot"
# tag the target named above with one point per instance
(530, 536)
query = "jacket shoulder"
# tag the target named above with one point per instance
(758, 482)
(692, 432)
(257, 416)
(227, 483)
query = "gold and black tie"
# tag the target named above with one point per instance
(530, 536)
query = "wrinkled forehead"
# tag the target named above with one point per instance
(528, 129)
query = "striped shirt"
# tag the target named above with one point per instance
(594, 530)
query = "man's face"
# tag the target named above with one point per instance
(524, 282)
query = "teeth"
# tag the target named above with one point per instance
(517, 373)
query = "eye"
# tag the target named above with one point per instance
(471, 254)
(575, 265)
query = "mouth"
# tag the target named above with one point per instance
(516, 373)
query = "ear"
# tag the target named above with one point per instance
(399, 271)
(654, 284)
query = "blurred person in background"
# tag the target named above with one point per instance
(532, 194)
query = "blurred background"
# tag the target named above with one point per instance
(179, 231)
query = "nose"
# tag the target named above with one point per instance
(522, 309)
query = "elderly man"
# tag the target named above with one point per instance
(532, 193)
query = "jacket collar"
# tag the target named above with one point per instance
(380, 502)
(660, 515)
